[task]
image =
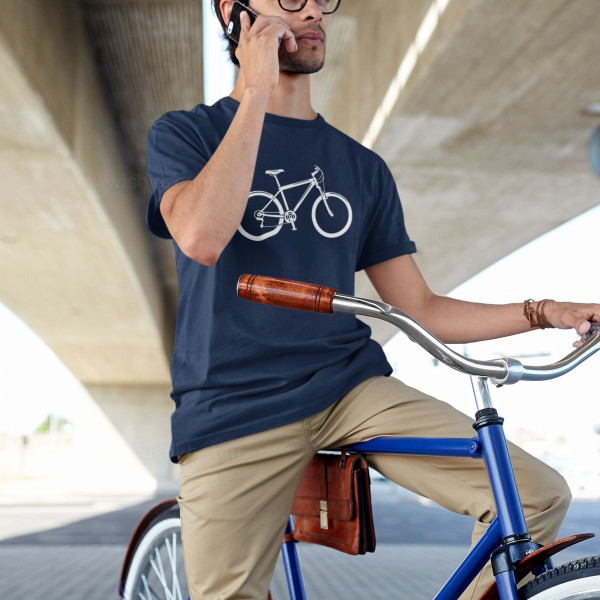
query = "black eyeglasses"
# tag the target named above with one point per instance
(327, 6)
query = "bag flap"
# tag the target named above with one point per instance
(313, 483)
(341, 510)
(326, 479)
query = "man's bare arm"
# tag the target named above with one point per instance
(399, 282)
(203, 214)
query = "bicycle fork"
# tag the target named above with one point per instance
(516, 541)
(506, 540)
(324, 198)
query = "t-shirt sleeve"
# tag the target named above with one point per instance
(175, 153)
(385, 234)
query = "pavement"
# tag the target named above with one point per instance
(72, 548)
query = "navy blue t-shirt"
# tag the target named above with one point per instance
(328, 208)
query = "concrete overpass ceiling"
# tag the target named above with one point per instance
(74, 259)
(489, 147)
(149, 54)
(486, 141)
(149, 57)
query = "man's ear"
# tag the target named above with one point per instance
(226, 6)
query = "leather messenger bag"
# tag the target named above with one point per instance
(333, 504)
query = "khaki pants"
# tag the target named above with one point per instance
(235, 497)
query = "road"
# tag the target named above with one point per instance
(70, 551)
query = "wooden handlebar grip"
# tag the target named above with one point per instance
(286, 293)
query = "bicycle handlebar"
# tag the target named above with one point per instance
(317, 298)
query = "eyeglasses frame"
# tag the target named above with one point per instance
(305, 3)
(247, 2)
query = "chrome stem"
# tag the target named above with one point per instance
(481, 391)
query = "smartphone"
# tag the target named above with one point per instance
(234, 26)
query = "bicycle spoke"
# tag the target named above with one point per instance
(150, 593)
(149, 577)
(160, 574)
(172, 554)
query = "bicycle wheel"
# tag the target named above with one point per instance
(157, 571)
(263, 217)
(334, 218)
(577, 580)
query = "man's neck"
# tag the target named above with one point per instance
(291, 97)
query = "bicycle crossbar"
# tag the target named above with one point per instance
(469, 447)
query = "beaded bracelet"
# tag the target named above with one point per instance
(536, 316)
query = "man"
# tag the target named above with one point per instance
(258, 390)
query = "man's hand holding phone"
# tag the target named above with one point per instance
(258, 48)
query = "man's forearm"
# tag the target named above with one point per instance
(457, 321)
(210, 207)
(399, 282)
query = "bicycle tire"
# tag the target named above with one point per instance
(347, 215)
(148, 572)
(167, 522)
(577, 580)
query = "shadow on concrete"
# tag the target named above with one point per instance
(110, 528)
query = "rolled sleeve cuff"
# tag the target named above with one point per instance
(385, 254)
(154, 219)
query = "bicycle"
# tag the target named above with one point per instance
(254, 220)
(506, 542)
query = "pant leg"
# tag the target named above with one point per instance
(235, 498)
(385, 406)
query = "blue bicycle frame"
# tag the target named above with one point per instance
(506, 540)
(507, 528)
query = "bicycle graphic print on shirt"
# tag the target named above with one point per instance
(265, 215)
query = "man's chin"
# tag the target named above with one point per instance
(291, 64)
(302, 68)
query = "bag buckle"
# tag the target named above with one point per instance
(323, 514)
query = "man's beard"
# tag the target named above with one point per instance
(291, 63)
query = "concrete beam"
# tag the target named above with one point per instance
(489, 149)
(75, 263)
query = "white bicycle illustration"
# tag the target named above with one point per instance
(329, 211)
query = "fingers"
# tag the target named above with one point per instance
(262, 22)
(282, 31)
(583, 327)
(259, 24)
(585, 330)
(272, 26)
(579, 316)
(244, 23)
(244, 26)
(291, 45)
(580, 341)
